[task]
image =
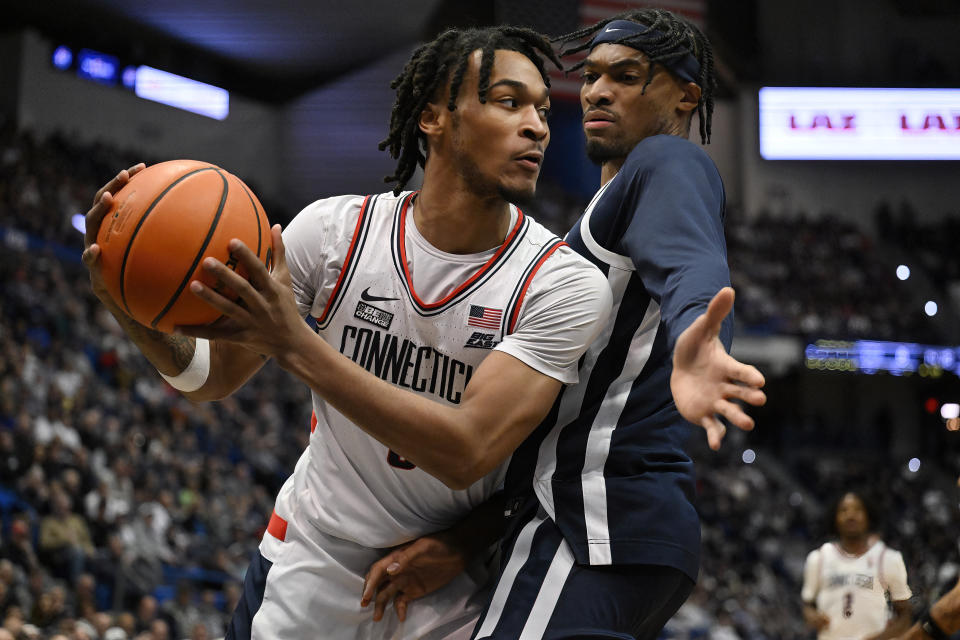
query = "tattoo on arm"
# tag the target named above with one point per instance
(181, 348)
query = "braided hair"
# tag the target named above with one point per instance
(429, 69)
(680, 38)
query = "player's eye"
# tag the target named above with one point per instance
(588, 76)
(513, 103)
(544, 112)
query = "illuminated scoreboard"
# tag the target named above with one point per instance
(874, 356)
(817, 123)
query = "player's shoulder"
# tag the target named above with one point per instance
(563, 256)
(324, 210)
(336, 216)
(815, 554)
(667, 153)
(889, 553)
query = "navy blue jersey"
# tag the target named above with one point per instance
(608, 464)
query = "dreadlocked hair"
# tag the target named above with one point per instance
(679, 38)
(429, 69)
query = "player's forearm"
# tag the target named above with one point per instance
(895, 628)
(899, 624)
(946, 611)
(812, 617)
(437, 438)
(170, 354)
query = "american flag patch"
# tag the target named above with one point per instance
(484, 317)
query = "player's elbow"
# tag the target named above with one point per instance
(460, 479)
(466, 467)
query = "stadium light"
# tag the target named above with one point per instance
(903, 272)
(930, 308)
(914, 465)
(62, 57)
(183, 93)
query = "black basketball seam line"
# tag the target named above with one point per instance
(196, 259)
(136, 230)
(256, 214)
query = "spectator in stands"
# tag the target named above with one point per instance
(182, 610)
(18, 548)
(147, 613)
(64, 538)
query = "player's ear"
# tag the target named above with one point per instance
(432, 119)
(690, 97)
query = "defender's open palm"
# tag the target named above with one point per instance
(706, 379)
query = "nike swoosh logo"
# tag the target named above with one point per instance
(364, 295)
(608, 30)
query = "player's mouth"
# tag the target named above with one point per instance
(598, 119)
(530, 160)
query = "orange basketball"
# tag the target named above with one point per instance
(163, 223)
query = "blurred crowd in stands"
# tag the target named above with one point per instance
(115, 492)
(129, 512)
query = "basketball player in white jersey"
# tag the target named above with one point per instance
(457, 319)
(847, 581)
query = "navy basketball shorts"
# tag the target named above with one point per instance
(542, 593)
(251, 599)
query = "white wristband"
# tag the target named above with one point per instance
(195, 375)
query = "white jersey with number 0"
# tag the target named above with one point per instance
(422, 320)
(852, 590)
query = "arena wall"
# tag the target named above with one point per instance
(245, 142)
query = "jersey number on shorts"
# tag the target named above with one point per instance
(398, 461)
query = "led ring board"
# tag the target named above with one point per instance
(815, 123)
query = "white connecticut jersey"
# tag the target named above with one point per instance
(422, 320)
(852, 590)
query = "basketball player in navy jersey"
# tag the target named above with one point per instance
(604, 539)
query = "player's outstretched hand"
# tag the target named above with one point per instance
(264, 318)
(706, 379)
(410, 572)
(102, 202)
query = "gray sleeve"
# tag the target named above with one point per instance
(316, 243)
(566, 306)
(895, 575)
(811, 578)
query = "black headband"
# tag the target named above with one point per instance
(637, 36)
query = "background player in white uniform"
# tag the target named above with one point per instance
(450, 292)
(846, 582)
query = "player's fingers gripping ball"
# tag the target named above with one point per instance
(162, 224)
